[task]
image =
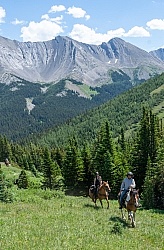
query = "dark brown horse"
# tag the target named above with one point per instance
(131, 206)
(103, 193)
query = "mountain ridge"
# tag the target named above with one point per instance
(65, 58)
(89, 76)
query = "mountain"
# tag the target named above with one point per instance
(45, 84)
(159, 53)
(124, 111)
(65, 58)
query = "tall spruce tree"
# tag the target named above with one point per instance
(149, 186)
(146, 146)
(22, 180)
(51, 171)
(73, 170)
(103, 152)
(89, 172)
(5, 149)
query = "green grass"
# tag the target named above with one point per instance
(44, 220)
(158, 90)
(159, 110)
(87, 90)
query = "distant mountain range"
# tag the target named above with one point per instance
(65, 58)
(41, 82)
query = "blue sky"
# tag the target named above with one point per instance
(140, 22)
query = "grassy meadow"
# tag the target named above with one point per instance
(44, 220)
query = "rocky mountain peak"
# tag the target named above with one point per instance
(63, 57)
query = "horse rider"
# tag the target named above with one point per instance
(7, 162)
(127, 184)
(97, 183)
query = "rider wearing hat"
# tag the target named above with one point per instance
(97, 183)
(127, 183)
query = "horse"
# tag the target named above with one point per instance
(103, 193)
(131, 206)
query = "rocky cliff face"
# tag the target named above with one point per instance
(64, 58)
(159, 53)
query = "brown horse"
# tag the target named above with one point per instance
(131, 206)
(103, 193)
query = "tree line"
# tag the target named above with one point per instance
(72, 167)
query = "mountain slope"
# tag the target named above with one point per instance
(65, 58)
(159, 53)
(45, 84)
(124, 111)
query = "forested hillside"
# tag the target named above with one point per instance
(70, 165)
(124, 111)
(71, 168)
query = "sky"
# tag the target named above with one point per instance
(140, 22)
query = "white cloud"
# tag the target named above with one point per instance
(55, 19)
(77, 12)
(2, 14)
(17, 22)
(85, 34)
(156, 24)
(137, 31)
(57, 8)
(43, 31)
(45, 16)
(87, 17)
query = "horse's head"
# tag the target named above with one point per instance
(105, 185)
(134, 197)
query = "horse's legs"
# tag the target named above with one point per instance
(129, 215)
(123, 215)
(107, 203)
(95, 202)
(133, 220)
(101, 203)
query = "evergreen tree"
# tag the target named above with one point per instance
(121, 141)
(73, 170)
(88, 170)
(146, 146)
(159, 177)
(51, 172)
(22, 180)
(5, 149)
(5, 194)
(149, 186)
(103, 152)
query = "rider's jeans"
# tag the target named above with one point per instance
(123, 193)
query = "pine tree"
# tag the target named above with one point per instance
(159, 176)
(103, 152)
(73, 170)
(51, 172)
(145, 146)
(5, 194)
(149, 186)
(88, 170)
(22, 180)
(5, 149)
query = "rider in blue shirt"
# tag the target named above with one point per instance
(127, 183)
